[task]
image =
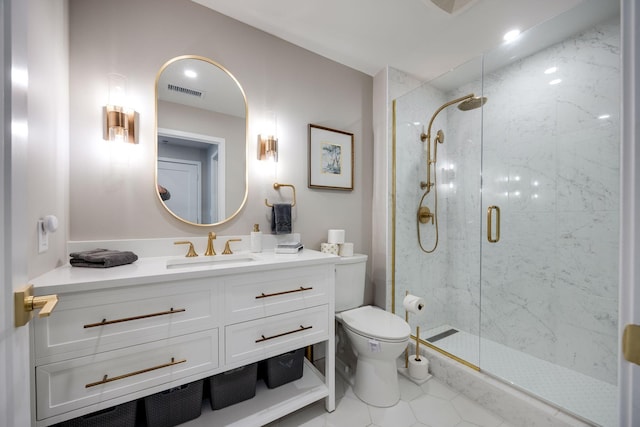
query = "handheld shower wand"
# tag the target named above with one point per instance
(465, 103)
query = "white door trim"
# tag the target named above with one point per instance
(629, 304)
(16, 403)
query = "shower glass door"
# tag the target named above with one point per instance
(550, 164)
(438, 256)
(532, 300)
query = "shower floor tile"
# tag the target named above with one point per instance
(577, 393)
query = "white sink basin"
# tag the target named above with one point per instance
(208, 261)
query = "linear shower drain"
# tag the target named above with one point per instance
(442, 335)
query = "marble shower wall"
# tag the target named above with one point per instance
(418, 273)
(550, 160)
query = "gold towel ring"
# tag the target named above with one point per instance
(277, 187)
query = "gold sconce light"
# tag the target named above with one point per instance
(267, 140)
(119, 122)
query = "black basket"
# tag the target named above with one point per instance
(117, 416)
(284, 368)
(174, 406)
(233, 386)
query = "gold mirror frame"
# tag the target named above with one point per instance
(246, 142)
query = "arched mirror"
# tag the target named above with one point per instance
(201, 151)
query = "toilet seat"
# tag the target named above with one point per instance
(375, 323)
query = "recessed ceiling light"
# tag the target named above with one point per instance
(555, 81)
(604, 116)
(190, 73)
(511, 35)
(551, 70)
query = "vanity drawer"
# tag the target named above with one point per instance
(91, 322)
(77, 383)
(262, 338)
(256, 295)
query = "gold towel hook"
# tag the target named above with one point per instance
(277, 187)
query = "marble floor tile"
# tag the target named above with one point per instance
(433, 404)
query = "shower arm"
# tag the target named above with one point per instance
(427, 185)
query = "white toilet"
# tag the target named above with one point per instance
(377, 337)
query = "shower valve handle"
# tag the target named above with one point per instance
(425, 215)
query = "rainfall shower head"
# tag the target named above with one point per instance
(465, 103)
(472, 103)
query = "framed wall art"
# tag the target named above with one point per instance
(331, 158)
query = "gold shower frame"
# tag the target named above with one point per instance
(393, 242)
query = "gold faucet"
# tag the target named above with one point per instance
(227, 249)
(191, 252)
(210, 249)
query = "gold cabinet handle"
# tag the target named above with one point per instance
(25, 303)
(302, 328)
(490, 211)
(128, 319)
(300, 289)
(106, 378)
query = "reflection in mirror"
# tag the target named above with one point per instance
(201, 172)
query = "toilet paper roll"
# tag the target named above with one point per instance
(346, 249)
(336, 236)
(329, 248)
(418, 369)
(413, 304)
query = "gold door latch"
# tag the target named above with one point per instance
(25, 303)
(631, 343)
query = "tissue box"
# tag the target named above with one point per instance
(118, 416)
(174, 406)
(284, 368)
(233, 386)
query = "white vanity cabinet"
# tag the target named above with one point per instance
(132, 332)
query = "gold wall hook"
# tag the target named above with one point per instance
(277, 186)
(25, 303)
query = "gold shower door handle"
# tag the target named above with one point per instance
(490, 211)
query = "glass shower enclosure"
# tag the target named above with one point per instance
(511, 234)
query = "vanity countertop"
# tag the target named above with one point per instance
(67, 279)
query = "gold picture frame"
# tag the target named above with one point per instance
(331, 158)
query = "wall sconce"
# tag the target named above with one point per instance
(119, 122)
(267, 140)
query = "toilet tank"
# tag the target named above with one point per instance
(350, 280)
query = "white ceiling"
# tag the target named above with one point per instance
(219, 91)
(414, 36)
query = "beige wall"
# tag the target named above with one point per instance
(112, 198)
(48, 144)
